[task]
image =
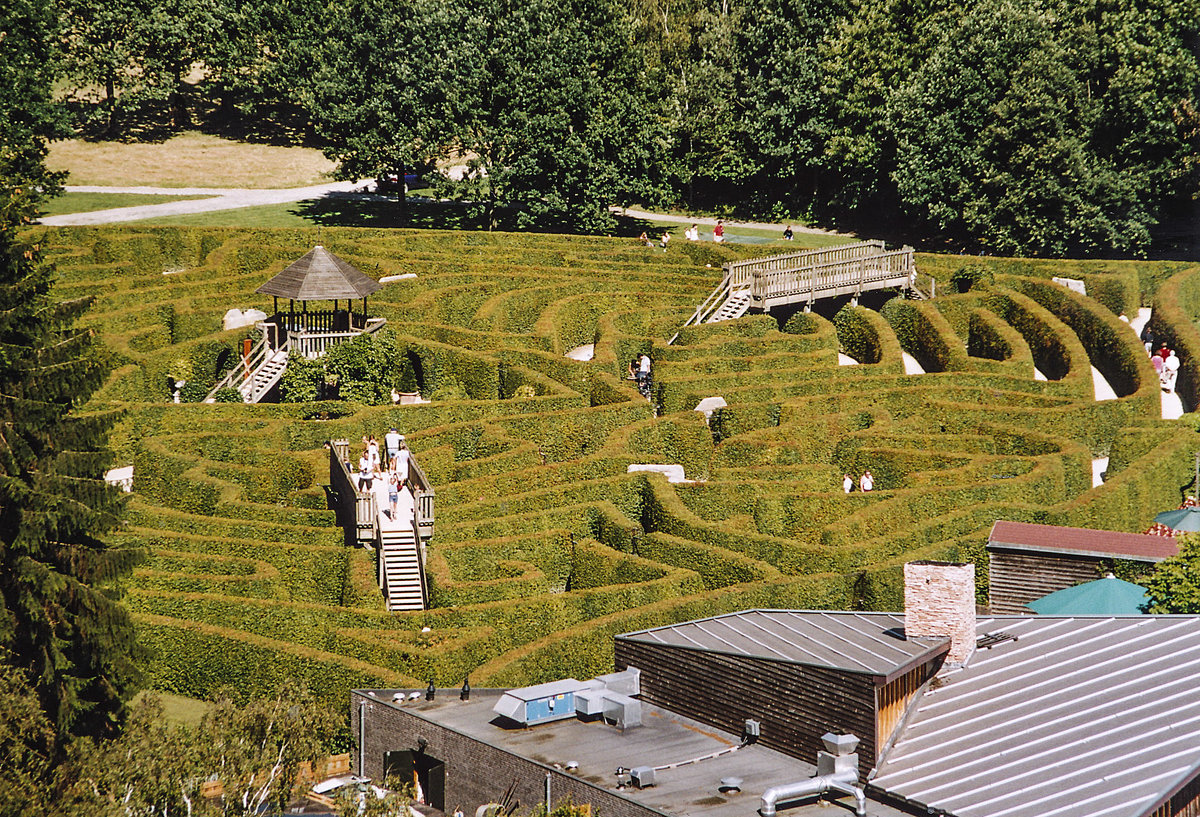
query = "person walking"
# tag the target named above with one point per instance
(365, 472)
(391, 441)
(373, 452)
(1171, 371)
(867, 482)
(847, 483)
(719, 232)
(644, 375)
(403, 458)
(393, 493)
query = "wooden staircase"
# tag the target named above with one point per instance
(734, 307)
(256, 376)
(400, 570)
(264, 378)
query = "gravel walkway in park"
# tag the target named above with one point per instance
(227, 198)
(222, 198)
(710, 222)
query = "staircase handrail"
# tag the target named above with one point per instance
(248, 365)
(711, 304)
(423, 494)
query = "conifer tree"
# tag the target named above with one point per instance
(60, 621)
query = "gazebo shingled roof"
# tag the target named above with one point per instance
(320, 276)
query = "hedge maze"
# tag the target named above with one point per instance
(545, 546)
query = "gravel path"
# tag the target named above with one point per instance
(231, 198)
(222, 198)
(710, 222)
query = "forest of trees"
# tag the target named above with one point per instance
(1037, 127)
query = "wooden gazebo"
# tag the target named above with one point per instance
(318, 276)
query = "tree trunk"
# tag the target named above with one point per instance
(110, 100)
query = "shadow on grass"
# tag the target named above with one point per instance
(358, 210)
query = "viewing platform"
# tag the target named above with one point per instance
(317, 276)
(399, 542)
(804, 277)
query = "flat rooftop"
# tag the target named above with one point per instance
(665, 738)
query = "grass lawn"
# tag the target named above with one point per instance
(188, 160)
(90, 202)
(177, 709)
(339, 212)
(747, 235)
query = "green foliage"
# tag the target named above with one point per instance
(62, 626)
(544, 545)
(866, 336)
(1174, 586)
(29, 115)
(967, 277)
(228, 394)
(926, 335)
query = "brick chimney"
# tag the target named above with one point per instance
(939, 600)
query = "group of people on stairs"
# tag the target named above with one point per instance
(371, 466)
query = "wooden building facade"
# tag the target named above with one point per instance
(795, 701)
(1028, 561)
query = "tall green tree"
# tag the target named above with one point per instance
(382, 94)
(28, 115)
(551, 120)
(1174, 586)
(59, 619)
(96, 44)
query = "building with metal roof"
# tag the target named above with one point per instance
(1021, 716)
(1028, 561)
(1074, 716)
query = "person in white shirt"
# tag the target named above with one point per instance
(1170, 371)
(391, 441)
(365, 472)
(867, 482)
(847, 483)
(400, 463)
(692, 233)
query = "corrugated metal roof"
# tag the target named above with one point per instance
(1081, 716)
(868, 643)
(320, 276)
(1103, 544)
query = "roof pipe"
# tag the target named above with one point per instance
(841, 782)
(837, 771)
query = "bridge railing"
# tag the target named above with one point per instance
(311, 343)
(354, 509)
(360, 510)
(422, 490)
(853, 274)
(741, 272)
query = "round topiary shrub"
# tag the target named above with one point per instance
(967, 277)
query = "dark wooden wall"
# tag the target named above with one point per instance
(1019, 577)
(795, 704)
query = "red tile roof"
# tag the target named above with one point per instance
(1104, 544)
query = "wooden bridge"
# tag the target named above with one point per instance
(399, 543)
(805, 277)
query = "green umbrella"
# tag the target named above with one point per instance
(1109, 596)
(1185, 519)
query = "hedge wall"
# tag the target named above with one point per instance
(545, 546)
